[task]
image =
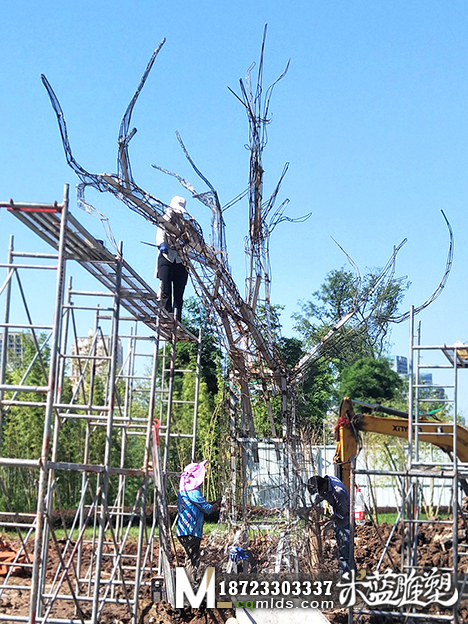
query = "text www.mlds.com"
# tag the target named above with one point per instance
(281, 603)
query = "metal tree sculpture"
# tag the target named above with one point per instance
(246, 338)
(249, 340)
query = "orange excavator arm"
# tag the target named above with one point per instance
(438, 433)
(346, 441)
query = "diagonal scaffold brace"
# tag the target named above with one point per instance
(162, 516)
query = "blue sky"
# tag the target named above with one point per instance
(372, 117)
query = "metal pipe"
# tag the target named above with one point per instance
(455, 487)
(23, 463)
(30, 266)
(169, 401)
(408, 473)
(26, 326)
(34, 254)
(38, 562)
(92, 293)
(352, 497)
(414, 457)
(410, 389)
(32, 206)
(4, 352)
(407, 509)
(127, 418)
(148, 445)
(10, 402)
(109, 431)
(144, 488)
(232, 448)
(38, 389)
(7, 280)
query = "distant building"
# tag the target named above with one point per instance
(16, 348)
(400, 364)
(425, 379)
(100, 347)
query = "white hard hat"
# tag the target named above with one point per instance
(177, 204)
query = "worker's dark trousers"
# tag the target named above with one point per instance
(173, 276)
(191, 545)
(343, 536)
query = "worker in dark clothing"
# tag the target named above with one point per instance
(192, 508)
(332, 490)
(170, 268)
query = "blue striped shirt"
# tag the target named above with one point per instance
(191, 507)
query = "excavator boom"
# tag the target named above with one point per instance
(349, 424)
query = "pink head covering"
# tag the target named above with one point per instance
(193, 476)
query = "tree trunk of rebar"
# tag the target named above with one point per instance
(315, 538)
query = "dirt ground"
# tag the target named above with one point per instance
(434, 549)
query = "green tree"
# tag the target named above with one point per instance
(291, 350)
(195, 317)
(370, 380)
(316, 396)
(367, 332)
(374, 300)
(22, 427)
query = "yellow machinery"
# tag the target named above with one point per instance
(349, 424)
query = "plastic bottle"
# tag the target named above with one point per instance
(359, 507)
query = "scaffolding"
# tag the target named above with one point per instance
(95, 563)
(423, 468)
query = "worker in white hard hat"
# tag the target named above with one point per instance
(170, 268)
